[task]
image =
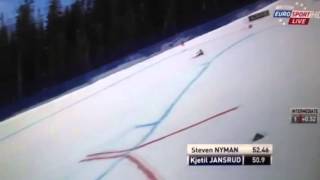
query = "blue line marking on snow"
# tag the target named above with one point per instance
(178, 98)
(146, 125)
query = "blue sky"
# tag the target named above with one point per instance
(9, 7)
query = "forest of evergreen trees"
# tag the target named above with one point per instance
(44, 50)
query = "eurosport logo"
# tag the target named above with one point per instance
(297, 14)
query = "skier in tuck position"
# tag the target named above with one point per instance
(199, 53)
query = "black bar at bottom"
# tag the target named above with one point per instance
(257, 160)
(214, 160)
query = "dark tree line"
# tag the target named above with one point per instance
(44, 50)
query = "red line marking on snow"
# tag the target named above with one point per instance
(103, 158)
(147, 172)
(93, 157)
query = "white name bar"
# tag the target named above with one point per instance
(229, 149)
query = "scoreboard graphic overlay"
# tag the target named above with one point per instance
(305, 115)
(229, 154)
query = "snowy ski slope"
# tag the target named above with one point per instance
(246, 82)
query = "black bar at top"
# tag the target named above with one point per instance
(259, 15)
